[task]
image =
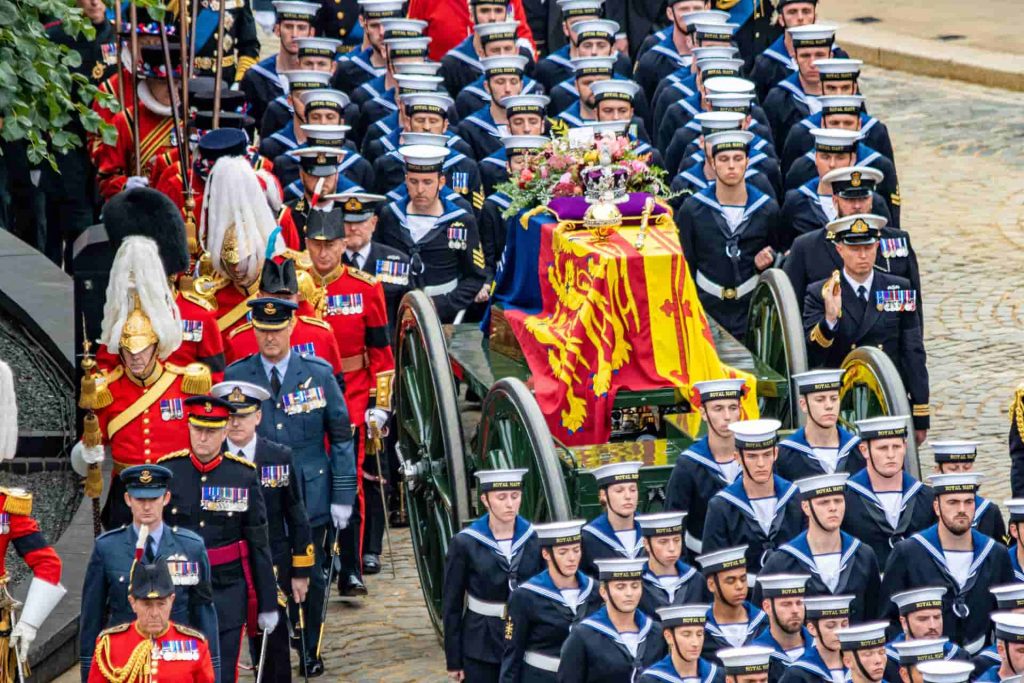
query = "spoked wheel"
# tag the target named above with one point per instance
(514, 434)
(775, 335)
(872, 387)
(430, 446)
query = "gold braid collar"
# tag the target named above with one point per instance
(135, 670)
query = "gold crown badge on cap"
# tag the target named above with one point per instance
(208, 407)
(855, 179)
(145, 477)
(859, 226)
(353, 204)
(270, 309)
(321, 158)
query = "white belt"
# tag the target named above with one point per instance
(484, 608)
(543, 662)
(693, 544)
(974, 647)
(726, 293)
(444, 288)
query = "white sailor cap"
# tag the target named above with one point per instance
(615, 89)
(317, 47)
(838, 69)
(589, 66)
(1009, 596)
(712, 30)
(1009, 626)
(580, 8)
(837, 140)
(495, 31)
(403, 27)
(928, 597)
(620, 569)
(381, 9)
(324, 98)
(913, 652)
(737, 102)
(712, 67)
(525, 104)
(812, 35)
(673, 616)
(607, 128)
(745, 661)
(1015, 506)
(862, 636)
(523, 144)
(417, 83)
(617, 472)
(244, 397)
(886, 427)
(408, 47)
(294, 81)
(828, 606)
(661, 523)
(591, 29)
(754, 434)
(729, 140)
(722, 560)
(715, 52)
(408, 137)
(423, 158)
(961, 482)
(508, 64)
(813, 381)
(500, 480)
(822, 485)
(427, 103)
(711, 121)
(417, 68)
(715, 389)
(955, 450)
(852, 182)
(841, 104)
(730, 85)
(782, 585)
(559, 533)
(945, 671)
(295, 11)
(325, 135)
(705, 16)
(319, 161)
(358, 206)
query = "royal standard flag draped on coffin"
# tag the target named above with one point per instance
(597, 315)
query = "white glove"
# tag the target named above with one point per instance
(136, 181)
(378, 415)
(82, 456)
(22, 636)
(267, 621)
(340, 514)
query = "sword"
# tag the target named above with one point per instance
(263, 656)
(302, 640)
(378, 446)
(335, 550)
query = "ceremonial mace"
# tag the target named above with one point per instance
(92, 398)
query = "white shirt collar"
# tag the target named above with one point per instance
(364, 253)
(854, 284)
(248, 450)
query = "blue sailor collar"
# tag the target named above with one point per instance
(755, 199)
(684, 573)
(1018, 573)
(477, 88)
(481, 532)
(695, 174)
(799, 548)
(810, 188)
(814, 121)
(497, 158)
(449, 211)
(561, 56)
(362, 60)
(600, 622)
(466, 52)
(375, 86)
(860, 483)
(737, 495)
(798, 442)
(602, 529)
(700, 453)
(267, 68)
(766, 639)
(792, 84)
(501, 199)
(779, 53)
(981, 505)
(691, 104)
(665, 670)
(573, 115)
(950, 650)
(286, 136)
(667, 47)
(543, 585)
(812, 661)
(387, 99)
(865, 155)
(569, 85)
(929, 540)
(754, 619)
(483, 119)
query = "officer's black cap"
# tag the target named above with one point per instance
(153, 55)
(207, 411)
(270, 314)
(151, 581)
(162, 223)
(203, 120)
(223, 142)
(146, 481)
(279, 278)
(326, 225)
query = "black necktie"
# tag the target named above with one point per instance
(150, 555)
(275, 381)
(862, 292)
(241, 453)
(351, 260)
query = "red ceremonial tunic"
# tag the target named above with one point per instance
(310, 335)
(178, 655)
(169, 183)
(232, 310)
(114, 163)
(449, 22)
(17, 528)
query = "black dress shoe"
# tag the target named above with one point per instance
(312, 668)
(351, 586)
(371, 563)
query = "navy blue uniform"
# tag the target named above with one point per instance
(688, 141)
(688, 588)
(780, 660)
(803, 211)
(797, 459)
(475, 96)
(865, 516)
(665, 670)
(461, 175)
(261, 85)
(557, 67)
(810, 668)
(354, 69)
(695, 478)
(787, 105)
(804, 170)
(951, 651)
(715, 638)
(659, 62)
(800, 141)
(988, 519)
(600, 542)
(594, 652)
(775, 65)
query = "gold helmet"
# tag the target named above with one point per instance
(137, 334)
(229, 255)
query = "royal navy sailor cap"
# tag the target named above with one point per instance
(674, 616)
(715, 389)
(927, 597)
(615, 89)
(837, 140)
(1009, 596)
(730, 102)
(945, 671)
(812, 35)
(317, 47)
(841, 104)
(705, 16)
(661, 523)
(813, 381)
(828, 606)
(838, 69)
(607, 128)
(287, 10)
(960, 482)
(580, 8)
(620, 569)
(426, 68)
(500, 480)
(1009, 626)
(495, 31)
(755, 434)
(617, 472)
(423, 158)
(429, 139)
(590, 29)
(715, 52)
(380, 9)
(427, 103)
(712, 30)
(782, 585)
(408, 47)
(954, 450)
(403, 27)
(822, 485)
(1015, 506)
(506, 64)
(523, 144)
(862, 636)
(559, 533)
(525, 104)
(296, 81)
(747, 660)
(324, 98)
(714, 67)
(886, 427)
(723, 560)
(730, 85)
(589, 66)
(417, 83)
(913, 652)
(712, 121)
(325, 134)
(729, 140)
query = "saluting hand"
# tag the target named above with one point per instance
(833, 295)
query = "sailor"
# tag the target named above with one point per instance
(526, 116)
(1009, 598)
(318, 179)
(760, 509)
(576, 105)
(749, 664)
(367, 61)
(217, 495)
(615, 532)
(588, 35)
(905, 655)
(351, 168)
(940, 671)
(863, 651)
(710, 463)
(151, 647)
(670, 54)
(462, 65)
(543, 610)
(862, 307)
(796, 97)
(836, 562)
(618, 641)
(729, 233)
(885, 504)
(476, 96)
(1009, 641)
(105, 596)
(262, 83)
(291, 542)
(920, 618)
(405, 58)
(315, 67)
(782, 599)
(485, 563)
(682, 83)
(821, 446)
(777, 62)
(822, 663)
(955, 455)
(732, 621)
(954, 555)
(277, 136)
(326, 113)
(683, 630)
(614, 101)
(503, 77)
(441, 238)
(382, 115)
(1015, 508)
(667, 579)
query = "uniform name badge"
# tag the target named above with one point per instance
(224, 499)
(304, 401)
(458, 238)
(171, 409)
(275, 476)
(460, 182)
(896, 300)
(5, 523)
(192, 330)
(183, 572)
(894, 247)
(344, 304)
(306, 349)
(177, 650)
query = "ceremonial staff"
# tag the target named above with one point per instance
(374, 445)
(176, 114)
(119, 31)
(181, 124)
(220, 63)
(91, 399)
(134, 41)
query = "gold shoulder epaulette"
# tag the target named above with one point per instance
(195, 378)
(238, 330)
(362, 275)
(198, 300)
(183, 453)
(115, 629)
(18, 502)
(315, 321)
(232, 456)
(190, 631)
